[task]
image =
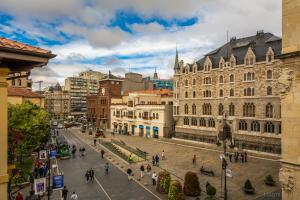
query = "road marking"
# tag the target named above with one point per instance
(78, 137)
(102, 188)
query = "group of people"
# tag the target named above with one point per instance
(89, 175)
(40, 170)
(142, 169)
(65, 192)
(238, 156)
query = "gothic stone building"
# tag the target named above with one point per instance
(239, 80)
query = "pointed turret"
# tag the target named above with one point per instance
(155, 75)
(176, 65)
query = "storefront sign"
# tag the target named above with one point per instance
(58, 182)
(43, 154)
(40, 186)
(53, 154)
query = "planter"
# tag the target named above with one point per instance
(269, 183)
(249, 190)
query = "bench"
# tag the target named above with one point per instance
(207, 172)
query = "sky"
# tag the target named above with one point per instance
(130, 35)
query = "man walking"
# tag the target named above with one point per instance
(65, 193)
(87, 176)
(142, 168)
(154, 178)
(102, 153)
(74, 196)
(194, 159)
(95, 142)
(129, 171)
(106, 169)
(91, 172)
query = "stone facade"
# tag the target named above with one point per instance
(244, 87)
(143, 113)
(290, 89)
(19, 79)
(135, 82)
(58, 102)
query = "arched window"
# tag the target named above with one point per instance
(231, 92)
(207, 80)
(186, 83)
(194, 109)
(221, 109)
(153, 115)
(206, 109)
(221, 79)
(248, 91)
(211, 122)
(269, 110)
(269, 127)
(269, 90)
(186, 121)
(249, 110)
(255, 126)
(186, 109)
(194, 122)
(207, 93)
(247, 61)
(243, 125)
(221, 93)
(202, 122)
(269, 74)
(251, 61)
(156, 115)
(231, 78)
(269, 58)
(194, 94)
(231, 109)
(194, 81)
(20, 82)
(186, 95)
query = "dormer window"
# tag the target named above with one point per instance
(269, 55)
(249, 57)
(269, 75)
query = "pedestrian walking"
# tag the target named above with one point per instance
(74, 196)
(129, 172)
(154, 178)
(106, 168)
(83, 151)
(102, 153)
(157, 160)
(153, 160)
(163, 155)
(194, 159)
(230, 157)
(87, 176)
(95, 142)
(91, 172)
(65, 193)
(19, 196)
(148, 169)
(242, 157)
(142, 168)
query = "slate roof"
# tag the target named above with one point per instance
(239, 47)
(14, 45)
(23, 92)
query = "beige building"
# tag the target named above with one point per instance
(143, 113)
(135, 82)
(240, 80)
(19, 79)
(57, 102)
(19, 95)
(87, 83)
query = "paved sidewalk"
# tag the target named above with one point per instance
(179, 161)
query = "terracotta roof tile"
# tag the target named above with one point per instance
(23, 92)
(7, 43)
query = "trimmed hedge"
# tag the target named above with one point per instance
(163, 182)
(175, 191)
(191, 185)
(210, 191)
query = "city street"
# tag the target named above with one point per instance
(113, 186)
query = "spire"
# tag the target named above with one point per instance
(176, 65)
(155, 76)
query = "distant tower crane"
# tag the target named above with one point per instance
(40, 84)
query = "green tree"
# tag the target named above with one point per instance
(28, 126)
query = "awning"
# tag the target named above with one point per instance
(155, 128)
(147, 127)
(141, 126)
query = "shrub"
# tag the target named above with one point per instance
(269, 180)
(175, 191)
(248, 188)
(191, 184)
(163, 182)
(211, 191)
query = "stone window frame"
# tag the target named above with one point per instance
(186, 121)
(194, 109)
(194, 94)
(269, 110)
(231, 109)
(249, 110)
(269, 55)
(231, 92)
(206, 109)
(186, 94)
(211, 123)
(186, 109)
(221, 79)
(269, 127)
(269, 91)
(221, 93)
(194, 121)
(255, 126)
(207, 80)
(202, 122)
(243, 126)
(207, 93)
(194, 82)
(231, 78)
(220, 109)
(269, 74)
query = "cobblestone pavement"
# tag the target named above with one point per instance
(179, 160)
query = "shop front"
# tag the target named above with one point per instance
(120, 129)
(133, 129)
(148, 131)
(155, 132)
(125, 131)
(141, 130)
